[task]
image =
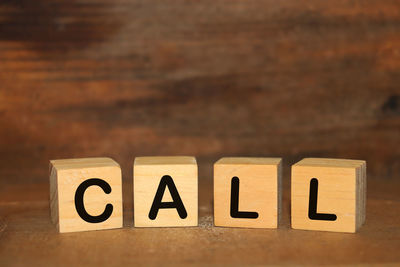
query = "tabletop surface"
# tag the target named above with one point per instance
(27, 236)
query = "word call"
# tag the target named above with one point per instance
(327, 194)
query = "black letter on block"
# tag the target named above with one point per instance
(312, 204)
(80, 208)
(166, 181)
(235, 213)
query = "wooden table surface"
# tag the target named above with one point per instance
(212, 78)
(27, 236)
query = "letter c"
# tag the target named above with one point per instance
(80, 207)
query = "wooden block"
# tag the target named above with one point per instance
(329, 194)
(247, 192)
(165, 191)
(85, 194)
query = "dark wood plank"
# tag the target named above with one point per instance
(126, 78)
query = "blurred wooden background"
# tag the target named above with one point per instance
(205, 78)
(216, 78)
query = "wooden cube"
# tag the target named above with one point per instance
(328, 194)
(165, 191)
(85, 194)
(247, 192)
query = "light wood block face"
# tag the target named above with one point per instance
(258, 181)
(170, 180)
(85, 183)
(338, 194)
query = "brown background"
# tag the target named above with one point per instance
(217, 78)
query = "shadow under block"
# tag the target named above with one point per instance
(341, 191)
(67, 175)
(259, 187)
(163, 174)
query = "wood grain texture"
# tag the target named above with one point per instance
(148, 175)
(25, 218)
(67, 175)
(259, 191)
(341, 190)
(127, 78)
(122, 78)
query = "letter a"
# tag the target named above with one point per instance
(166, 181)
